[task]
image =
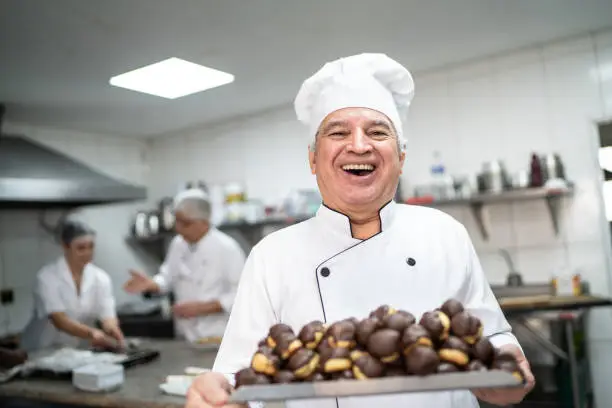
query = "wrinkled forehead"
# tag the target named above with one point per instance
(351, 117)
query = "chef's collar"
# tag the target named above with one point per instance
(341, 223)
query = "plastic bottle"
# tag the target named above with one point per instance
(442, 184)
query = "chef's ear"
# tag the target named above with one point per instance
(402, 159)
(312, 159)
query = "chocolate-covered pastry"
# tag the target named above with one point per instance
(312, 334)
(483, 350)
(248, 376)
(381, 311)
(365, 328)
(467, 327)
(338, 359)
(444, 368)
(303, 363)
(264, 361)
(422, 361)
(343, 375)
(452, 307)
(507, 362)
(456, 351)
(263, 342)
(384, 344)
(314, 377)
(476, 365)
(437, 323)
(398, 321)
(283, 377)
(275, 331)
(395, 371)
(415, 335)
(365, 366)
(341, 334)
(286, 344)
(353, 320)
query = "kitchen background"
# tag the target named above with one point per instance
(547, 98)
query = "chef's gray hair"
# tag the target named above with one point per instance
(194, 203)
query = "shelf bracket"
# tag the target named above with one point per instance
(479, 214)
(554, 205)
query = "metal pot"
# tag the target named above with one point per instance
(153, 223)
(553, 167)
(493, 178)
(140, 226)
(166, 213)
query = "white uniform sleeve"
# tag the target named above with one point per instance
(47, 294)
(479, 299)
(106, 305)
(164, 278)
(233, 265)
(250, 319)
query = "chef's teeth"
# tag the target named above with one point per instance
(358, 167)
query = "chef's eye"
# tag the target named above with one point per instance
(338, 134)
(379, 133)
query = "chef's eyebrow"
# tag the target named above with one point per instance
(333, 124)
(380, 123)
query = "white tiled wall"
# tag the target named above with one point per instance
(544, 99)
(24, 244)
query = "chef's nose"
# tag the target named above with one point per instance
(360, 142)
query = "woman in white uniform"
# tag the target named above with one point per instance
(70, 296)
(362, 249)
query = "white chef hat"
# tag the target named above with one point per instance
(194, 202)
(367, 80)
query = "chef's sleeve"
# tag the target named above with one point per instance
(47, 295)
(252, 315)
(479, 299)
(164, 278)
(106, 300)
(233, 265)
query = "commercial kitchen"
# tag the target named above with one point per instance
(509, 132)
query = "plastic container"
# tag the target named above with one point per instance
(98, 377)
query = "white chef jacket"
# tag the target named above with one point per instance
(207, 270)
(316, 270)
(55, 291)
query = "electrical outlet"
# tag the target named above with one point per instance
(7, 296)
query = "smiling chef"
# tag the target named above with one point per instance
(362, 249)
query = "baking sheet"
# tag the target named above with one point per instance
(389, 385)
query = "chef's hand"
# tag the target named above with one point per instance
(508, 396)
(139, 283)
(115, 332)
(99, 339)
(210, 390)
(187, 310)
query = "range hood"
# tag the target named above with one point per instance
(32, 174)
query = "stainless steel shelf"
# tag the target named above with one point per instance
(478, 203)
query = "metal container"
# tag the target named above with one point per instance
(493, 177)
(553, 167)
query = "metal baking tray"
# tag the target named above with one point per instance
(377, 386)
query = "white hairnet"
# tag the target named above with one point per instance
(194, 202)
(372, 81)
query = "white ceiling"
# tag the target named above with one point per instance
(56, 56)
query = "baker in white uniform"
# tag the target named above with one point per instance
(362, 249)
(71, 294)
(202, 268)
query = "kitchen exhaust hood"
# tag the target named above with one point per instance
(32, 174)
